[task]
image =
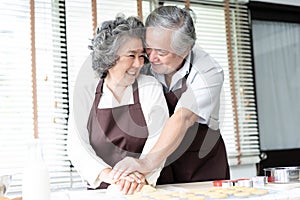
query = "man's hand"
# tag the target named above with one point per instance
(127, 186)
(129, 165)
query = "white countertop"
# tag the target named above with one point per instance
(276, 191)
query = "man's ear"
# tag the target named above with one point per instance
(186, 53)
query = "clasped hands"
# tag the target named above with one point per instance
(128, 175)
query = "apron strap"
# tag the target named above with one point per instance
(135, 92)
(191, 61)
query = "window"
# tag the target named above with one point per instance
(34, 62)
(276, 54)
(16, 114)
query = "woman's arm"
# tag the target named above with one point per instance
(82, 155)
(156, 114)
(80, 152)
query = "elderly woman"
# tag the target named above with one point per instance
(115, 109)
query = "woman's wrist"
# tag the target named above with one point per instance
(104, 175)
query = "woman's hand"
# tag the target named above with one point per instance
(104, 176)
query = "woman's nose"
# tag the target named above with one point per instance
(138, 62)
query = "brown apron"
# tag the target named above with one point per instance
(115, 133)
(201, 156)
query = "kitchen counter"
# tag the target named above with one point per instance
(184, 192)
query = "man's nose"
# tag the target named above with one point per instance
(152, 55)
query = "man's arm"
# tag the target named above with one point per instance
(170, 138)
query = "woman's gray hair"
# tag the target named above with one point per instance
(177, 20)
(109, 37)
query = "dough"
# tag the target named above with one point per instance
(218, 196)
(114, 190)
(196, 198)
(4, 198)
(147, 189)
(186, 195)
(241, 194)
(259, 191)
(198, 191)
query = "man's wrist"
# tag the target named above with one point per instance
(149, 164)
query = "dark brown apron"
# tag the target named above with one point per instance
(201, 156)
(115, 133)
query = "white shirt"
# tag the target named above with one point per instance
(204, 85)
(81, 153)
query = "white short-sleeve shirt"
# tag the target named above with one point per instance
(204, 85)
(153, 105)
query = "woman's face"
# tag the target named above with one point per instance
(163, 58)
(129, 64)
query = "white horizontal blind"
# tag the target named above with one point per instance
(243, 80)
(52, 87)
(16, 95)
(79, 35)
(242, 147)
(108, 10)
(16, 112)
(146, 8)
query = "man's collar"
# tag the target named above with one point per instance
(177, 76)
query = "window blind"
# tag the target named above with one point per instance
(16, 114)
(108, 10)
(79, 35)
(241, 77)
(52, 87)
(238, 127)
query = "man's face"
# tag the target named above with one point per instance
(163, 58)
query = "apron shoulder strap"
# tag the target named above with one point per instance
(135, 91)
(191, 65)
(99, 89)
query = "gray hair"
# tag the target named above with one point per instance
(177, 20)
(109, 38)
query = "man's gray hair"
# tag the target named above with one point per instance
(177, 20)
(110, 36)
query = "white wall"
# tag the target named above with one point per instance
(243, 171)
